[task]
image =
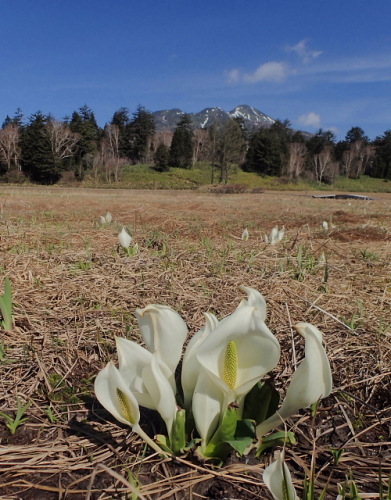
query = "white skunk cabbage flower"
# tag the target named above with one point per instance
(245, 234)
(239, 352)
(163, 331)
(114, 395)
(278, 480)
(275, 235)
(108, 218)
(160, 391)
(280, 234)
(325, 225)
(254, 299)
(101, 220)
(208, 406)
(191, 367)
(124, 238)
(310, 382)
(266, 238)
(132, 359)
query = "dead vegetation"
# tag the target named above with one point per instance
(74, 291)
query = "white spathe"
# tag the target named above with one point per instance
(164, 331)
(107, 384)
(191, 367)
(276, 235)
(113, 394)
(132, 359)
(275, 475)
(241, 348)
(208, 401)
(273, 235)
(245, 235)
(160, 391)
(124, 238)
(310, 382)
(254, 299)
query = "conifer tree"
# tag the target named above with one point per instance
(181, 150)
(161, 158)
(140, 132)
(83, 122)
(37, 158)
(122, 121)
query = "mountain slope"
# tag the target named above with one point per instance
(253, 118)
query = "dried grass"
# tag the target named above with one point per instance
(74, 292)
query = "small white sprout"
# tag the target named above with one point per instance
(124, 238)
(245, 235)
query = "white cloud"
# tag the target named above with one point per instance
(305, 54)
(309, 120)
(233, 76)
(268, 72)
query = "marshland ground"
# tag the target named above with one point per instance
(74, 290)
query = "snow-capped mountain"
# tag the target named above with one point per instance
(253, 118)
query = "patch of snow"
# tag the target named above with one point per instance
(205, 122)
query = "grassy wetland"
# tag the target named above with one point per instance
(74, 290)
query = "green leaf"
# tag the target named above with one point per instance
(218, 446)
(231, 434)
(244, 436)
(261, 402)
(276, 439)
(164, 443)
(178, 434)
(6, 305)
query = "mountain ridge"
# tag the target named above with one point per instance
(167, 120)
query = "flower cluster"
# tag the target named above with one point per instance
(219, 390)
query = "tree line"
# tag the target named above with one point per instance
(44, 149)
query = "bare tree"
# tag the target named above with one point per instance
(200, 141)
(163, 137)
(347, 161)
(9, 146)
(324, 165)
(112, 136)
(63, 142)
(297, 160)
(357, 159)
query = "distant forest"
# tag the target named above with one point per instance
(44, 150)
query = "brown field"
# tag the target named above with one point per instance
(74, 290)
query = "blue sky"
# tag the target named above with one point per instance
(317, 63)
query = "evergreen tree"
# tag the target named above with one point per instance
(83, 122)
(161, 158)
(140, 131)
(16, 120)
(232, 147)
(37, 158)
(243, 127)
(320, 140)
(181, 150)
(268, 152)
(122, 121)
(356, 134)
(382, 162)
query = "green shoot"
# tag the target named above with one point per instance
(52, 417)
(6, 306)
(13, 424)
(337, 454)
